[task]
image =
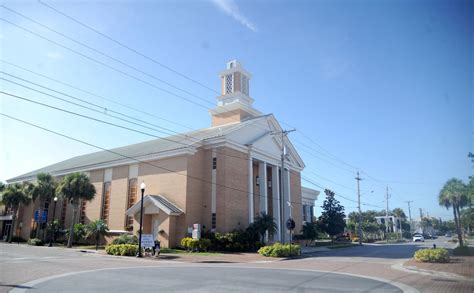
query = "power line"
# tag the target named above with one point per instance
(106, 55)
(129, 48)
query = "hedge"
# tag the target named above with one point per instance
(126, 239)
(191, 244)
(280, 250)
(122, 249)
(432, 255)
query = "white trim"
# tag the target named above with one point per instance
(147, 200)
(276, 199)
(116, 163)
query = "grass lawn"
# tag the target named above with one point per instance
(180, 251)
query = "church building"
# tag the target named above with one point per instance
(220, 177)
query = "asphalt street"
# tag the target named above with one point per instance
(361, 269)
(211, 279)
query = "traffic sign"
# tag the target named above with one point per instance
(290, 224)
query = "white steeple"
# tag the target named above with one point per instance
(234, 104)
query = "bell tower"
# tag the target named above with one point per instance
(234, 104)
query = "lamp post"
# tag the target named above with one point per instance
(139, 253)
(51, 236)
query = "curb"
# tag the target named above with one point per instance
(412, 269)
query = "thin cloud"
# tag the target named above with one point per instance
(230, 8)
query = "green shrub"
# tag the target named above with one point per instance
(235, 241)
(126, 239)
(191, 244)
(461, 250)
(432, 255)
(35, 242)
(280, 250)
(122, 249)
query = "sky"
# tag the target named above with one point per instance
(380, 87)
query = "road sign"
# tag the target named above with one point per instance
(290, 224)
(36, 215)
(147, 240)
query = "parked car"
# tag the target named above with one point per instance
(418, 237)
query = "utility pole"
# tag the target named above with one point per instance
(386, 212)
(409, 215)
(359, 229)
(421, 214)
(284, 133)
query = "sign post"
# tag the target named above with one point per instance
(290, 225)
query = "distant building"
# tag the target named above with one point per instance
(221, 177)
(393, 223)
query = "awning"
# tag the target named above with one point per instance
(154, 202)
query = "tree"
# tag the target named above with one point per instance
(44, 189)
(96, 229)
(74, 188)
(310, 232)
(264, 223)
(332, 218)
(13, 196)
(454, 195)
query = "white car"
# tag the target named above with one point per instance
(418, 237)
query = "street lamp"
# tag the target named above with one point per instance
(139, 253)
(51, 236)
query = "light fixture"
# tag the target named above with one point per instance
(142, 186)
(257, 180)
(269, 183)
(55, 198)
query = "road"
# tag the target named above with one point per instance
(364, 269)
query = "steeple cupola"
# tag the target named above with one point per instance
(234, 104)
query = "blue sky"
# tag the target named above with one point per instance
(384, 86)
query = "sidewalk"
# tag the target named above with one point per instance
(459, 265)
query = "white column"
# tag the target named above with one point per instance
(262, 170)
(276, 200)
(286, 201)
(250, 188)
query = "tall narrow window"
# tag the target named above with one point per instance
(214, 163)
(106, 202)
(83, 212)
(228, 84)
(213, 221)
(63, 212)
(132, 199)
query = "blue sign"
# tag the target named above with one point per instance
(36, 215)
(43, 218)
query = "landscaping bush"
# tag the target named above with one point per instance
(122, 249)
(35, 242)
(126, 239)
(191, 244)
(461, 250)
(235, 241)
(432, 255)
(279, 250)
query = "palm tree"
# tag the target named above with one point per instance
(453, 194)
(14, 196)
(264, 223)
(74, 188)
(96, 229)
(44, 189)
(400, 214)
